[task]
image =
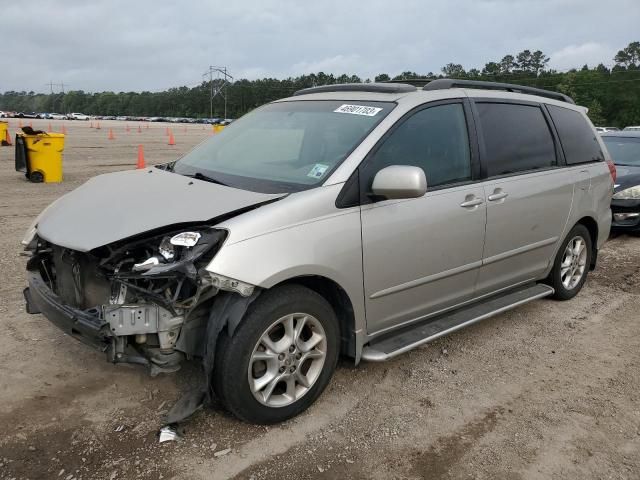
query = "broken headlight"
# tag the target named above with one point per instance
(178, 252)
(168, 251)
(185, 239)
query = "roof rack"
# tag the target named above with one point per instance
(445, 83)
(416, 82)
(359, 87)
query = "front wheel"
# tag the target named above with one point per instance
(571, 264)
(280, 358)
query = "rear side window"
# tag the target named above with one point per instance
(434, 139)
(516, 138)
(578, 140)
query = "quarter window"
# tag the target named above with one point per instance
(516, 138)
(434, 139)
(578, 140)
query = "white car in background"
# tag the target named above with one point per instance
(78, 116)
(57, 116)
(635, 128)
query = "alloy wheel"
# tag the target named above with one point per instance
(287, 360)
(574, 263)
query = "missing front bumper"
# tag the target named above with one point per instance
(113, 330)
(82, 325)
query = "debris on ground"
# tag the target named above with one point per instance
(168, 434)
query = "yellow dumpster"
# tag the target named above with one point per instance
(218, 128)
(4, 128)
(40, 156)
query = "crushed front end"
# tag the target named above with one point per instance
(141, 301)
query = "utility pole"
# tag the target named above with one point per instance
(220, 87)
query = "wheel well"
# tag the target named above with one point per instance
(592, 227)
(339, 301)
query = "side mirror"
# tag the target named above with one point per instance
(400, 181)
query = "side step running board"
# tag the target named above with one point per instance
(413, 336)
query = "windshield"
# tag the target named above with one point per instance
(285, 146)
(624, 150)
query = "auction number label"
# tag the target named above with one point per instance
(358, 110)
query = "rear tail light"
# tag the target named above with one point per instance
(612, 169)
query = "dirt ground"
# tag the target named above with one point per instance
(549, 390)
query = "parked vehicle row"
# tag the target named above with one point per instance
(82, 116)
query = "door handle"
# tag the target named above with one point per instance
(472, 203)
(497, 196)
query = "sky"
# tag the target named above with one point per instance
(153, 45)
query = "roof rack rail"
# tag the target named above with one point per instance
(416, 82)
(445, 83)
(359, 87)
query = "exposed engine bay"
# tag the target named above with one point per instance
(150, 298)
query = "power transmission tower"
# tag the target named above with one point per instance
(61, 87)
(219, 87)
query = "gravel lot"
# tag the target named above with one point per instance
(549, 390)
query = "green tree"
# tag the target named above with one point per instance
(629, 56)
(508, 64)
(491, 68)
(596, 114)
(454, 70)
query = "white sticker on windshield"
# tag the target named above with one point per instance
(318, 170)
(358, 110)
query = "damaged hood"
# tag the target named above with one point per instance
(119, 205)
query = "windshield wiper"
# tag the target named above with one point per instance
(206, 178)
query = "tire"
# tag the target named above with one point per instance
(287, 367)
(36, 177)
(565, 284)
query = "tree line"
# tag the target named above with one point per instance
(612, 94)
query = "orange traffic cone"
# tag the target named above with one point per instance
(185, 129)
(139, 129)
(98, 126)
(31, 125)
(172, 141)
(111, 135)
(90, 124)
(167, 132)
(127, 128)
(19, 123)
(140, 163)
(7, 139)
(49, 129)
(64, 129)
(147, 126)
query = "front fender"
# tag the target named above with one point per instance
(330, 246)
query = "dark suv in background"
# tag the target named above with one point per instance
(624, 147)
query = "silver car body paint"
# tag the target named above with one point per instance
(305, 234)
(120, 205)
(399, 261)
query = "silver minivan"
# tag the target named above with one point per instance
(358, 220)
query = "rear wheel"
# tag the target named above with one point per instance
(280, 358)
(571, 265)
